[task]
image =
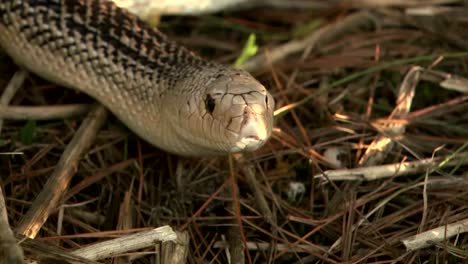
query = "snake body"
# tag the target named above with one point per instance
(165, 93)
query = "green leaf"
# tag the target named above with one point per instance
(26, 133)
(250, 49)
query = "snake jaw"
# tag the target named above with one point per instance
(253, 134)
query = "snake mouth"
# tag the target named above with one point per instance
(253, 133)
(248, 144)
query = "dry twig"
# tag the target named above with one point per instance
(430, 237)
(42, 112)
(10, 251)
(15, 83)
(392, 170)
(316, 38)
(48, 200)
(127, 243)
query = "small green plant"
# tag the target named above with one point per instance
(250, 49)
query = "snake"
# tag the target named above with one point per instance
(163, 92)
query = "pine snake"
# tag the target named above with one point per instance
(163, 92)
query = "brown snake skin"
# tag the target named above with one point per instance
(166, 94)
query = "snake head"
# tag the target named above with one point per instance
(227, 112)
(241, 109)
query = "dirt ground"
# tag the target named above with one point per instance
(367, 162)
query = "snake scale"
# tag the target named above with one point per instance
(165, 93)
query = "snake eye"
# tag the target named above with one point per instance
(209, 103)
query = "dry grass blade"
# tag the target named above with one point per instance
(382, 145)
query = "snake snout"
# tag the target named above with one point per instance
(253, 133)
(255, 128)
